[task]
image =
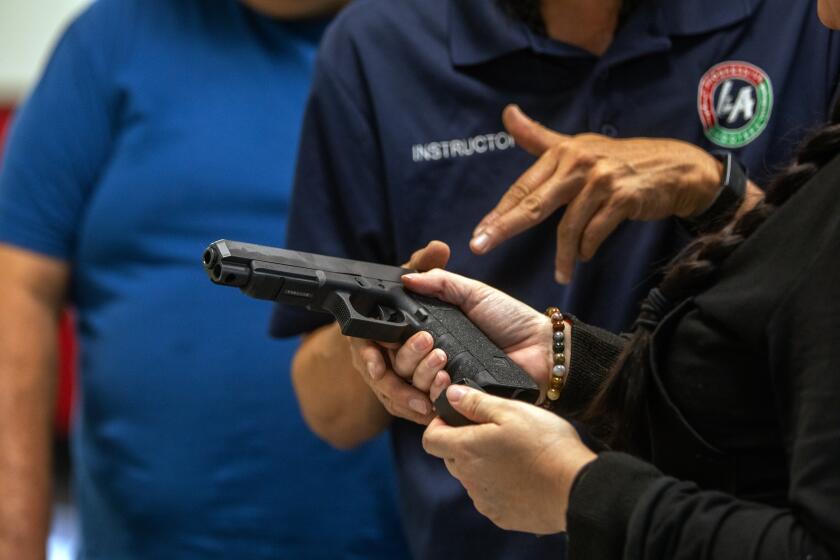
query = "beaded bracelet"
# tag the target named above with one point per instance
(559, 370)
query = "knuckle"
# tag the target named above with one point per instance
(603, 176)
(518, 191)
(583, 159)
(589, 236)
(367, 353)
(588, 245)
(565, 229)
(472, 404)
(502, 229)
(532, 207)
(427, 441)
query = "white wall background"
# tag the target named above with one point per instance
(28, 29)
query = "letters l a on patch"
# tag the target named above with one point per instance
(735, 101)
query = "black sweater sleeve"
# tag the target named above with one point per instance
(622, 507)
(593, 352)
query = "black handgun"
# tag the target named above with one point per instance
(369, 301)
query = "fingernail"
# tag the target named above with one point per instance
(480, 242)
(478, 229)
(370, 369)
(410, 276)
(437, 358)
(421, 343)
(561, 277)
(455, 393)
(418, 406)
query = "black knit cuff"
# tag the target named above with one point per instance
(593, 352)
(601, 503)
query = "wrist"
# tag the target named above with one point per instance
(577, 461)
(569, 464)
(712, 179)
(705, 184)
(559, 372)
(728, 198)
(548, 341)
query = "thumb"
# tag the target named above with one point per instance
(478, 406)
(434, 255)
(533, 137)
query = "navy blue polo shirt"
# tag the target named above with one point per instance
(403, 143)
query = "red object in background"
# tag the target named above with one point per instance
(66, 374)
(67, 337)
(5, 117)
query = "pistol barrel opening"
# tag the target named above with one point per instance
(209, 258)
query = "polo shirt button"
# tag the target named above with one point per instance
(609, 130)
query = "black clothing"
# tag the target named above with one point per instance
(744, 402)
(597, 349)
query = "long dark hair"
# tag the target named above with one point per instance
(617, 410)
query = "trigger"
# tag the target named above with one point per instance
(386, 314)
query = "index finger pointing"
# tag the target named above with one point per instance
(557, 191)
(524, 186)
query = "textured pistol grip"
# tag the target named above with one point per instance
(472, 358)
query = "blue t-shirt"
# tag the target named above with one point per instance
(158, 127)
(403, 143)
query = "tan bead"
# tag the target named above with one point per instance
(553, 394)
(559, 358)
(551, 311)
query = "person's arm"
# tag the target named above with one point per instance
(59, 142)
(621, 504)
(335, 401)
(592, 353)
(32, 289)
(601, 182)
(617, 506)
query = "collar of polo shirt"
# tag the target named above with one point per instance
(480, 31)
